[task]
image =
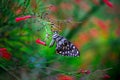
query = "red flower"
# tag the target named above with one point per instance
(117, 32)
(96, 2)
(3, 49)
(93, 33)
(106, 76)
(22, 18)
(38, 41)
(64, 77)
(77, 1)
(84, 71)
(87, 71)
(81, 71)
(53, 8)
(66, 6)
(5, 54)
(108, 3)
(101, 24)
(18, 11)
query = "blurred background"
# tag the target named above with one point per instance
(93, 26)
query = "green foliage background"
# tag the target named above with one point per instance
(31, 61)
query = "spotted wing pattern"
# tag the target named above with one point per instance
(66, 48)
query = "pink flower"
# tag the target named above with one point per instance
(38, 41)
(108, 3)
(22, 18)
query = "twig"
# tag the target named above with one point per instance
(107, 69)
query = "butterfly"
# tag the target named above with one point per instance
(64, 47)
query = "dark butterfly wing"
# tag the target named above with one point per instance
(66, 48)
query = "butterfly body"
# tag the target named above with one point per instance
(64, 47)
